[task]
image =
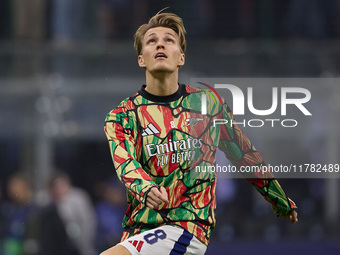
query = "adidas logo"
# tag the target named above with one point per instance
(150, 130)
(137, 244)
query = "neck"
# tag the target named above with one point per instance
(161, 84)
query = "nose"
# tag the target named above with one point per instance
(160, 45)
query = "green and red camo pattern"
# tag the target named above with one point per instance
(161, 143)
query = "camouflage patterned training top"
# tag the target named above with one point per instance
(166, 141)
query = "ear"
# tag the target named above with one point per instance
(181, 60)
(141, 61)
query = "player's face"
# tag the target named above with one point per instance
(161, 51)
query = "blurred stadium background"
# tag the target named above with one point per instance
(64, 64)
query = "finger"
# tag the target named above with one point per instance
(292, 220)
(293, 217)
(151, 204)
(156, 195)
(164, 195)
(159, 195)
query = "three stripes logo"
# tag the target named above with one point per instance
(137, 244)
(150, 130)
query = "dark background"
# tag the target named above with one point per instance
(65, 64)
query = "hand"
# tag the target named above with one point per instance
(156, 196)
(292, 217)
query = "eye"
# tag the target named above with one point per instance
(169, 40)
(151, 41)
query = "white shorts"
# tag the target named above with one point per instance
(164, 240)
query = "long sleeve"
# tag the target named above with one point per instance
(121, 132)
(240, 151)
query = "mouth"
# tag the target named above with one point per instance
(161, 55)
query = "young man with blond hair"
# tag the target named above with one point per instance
(155, 147)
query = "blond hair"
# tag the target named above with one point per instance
(169, 20)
